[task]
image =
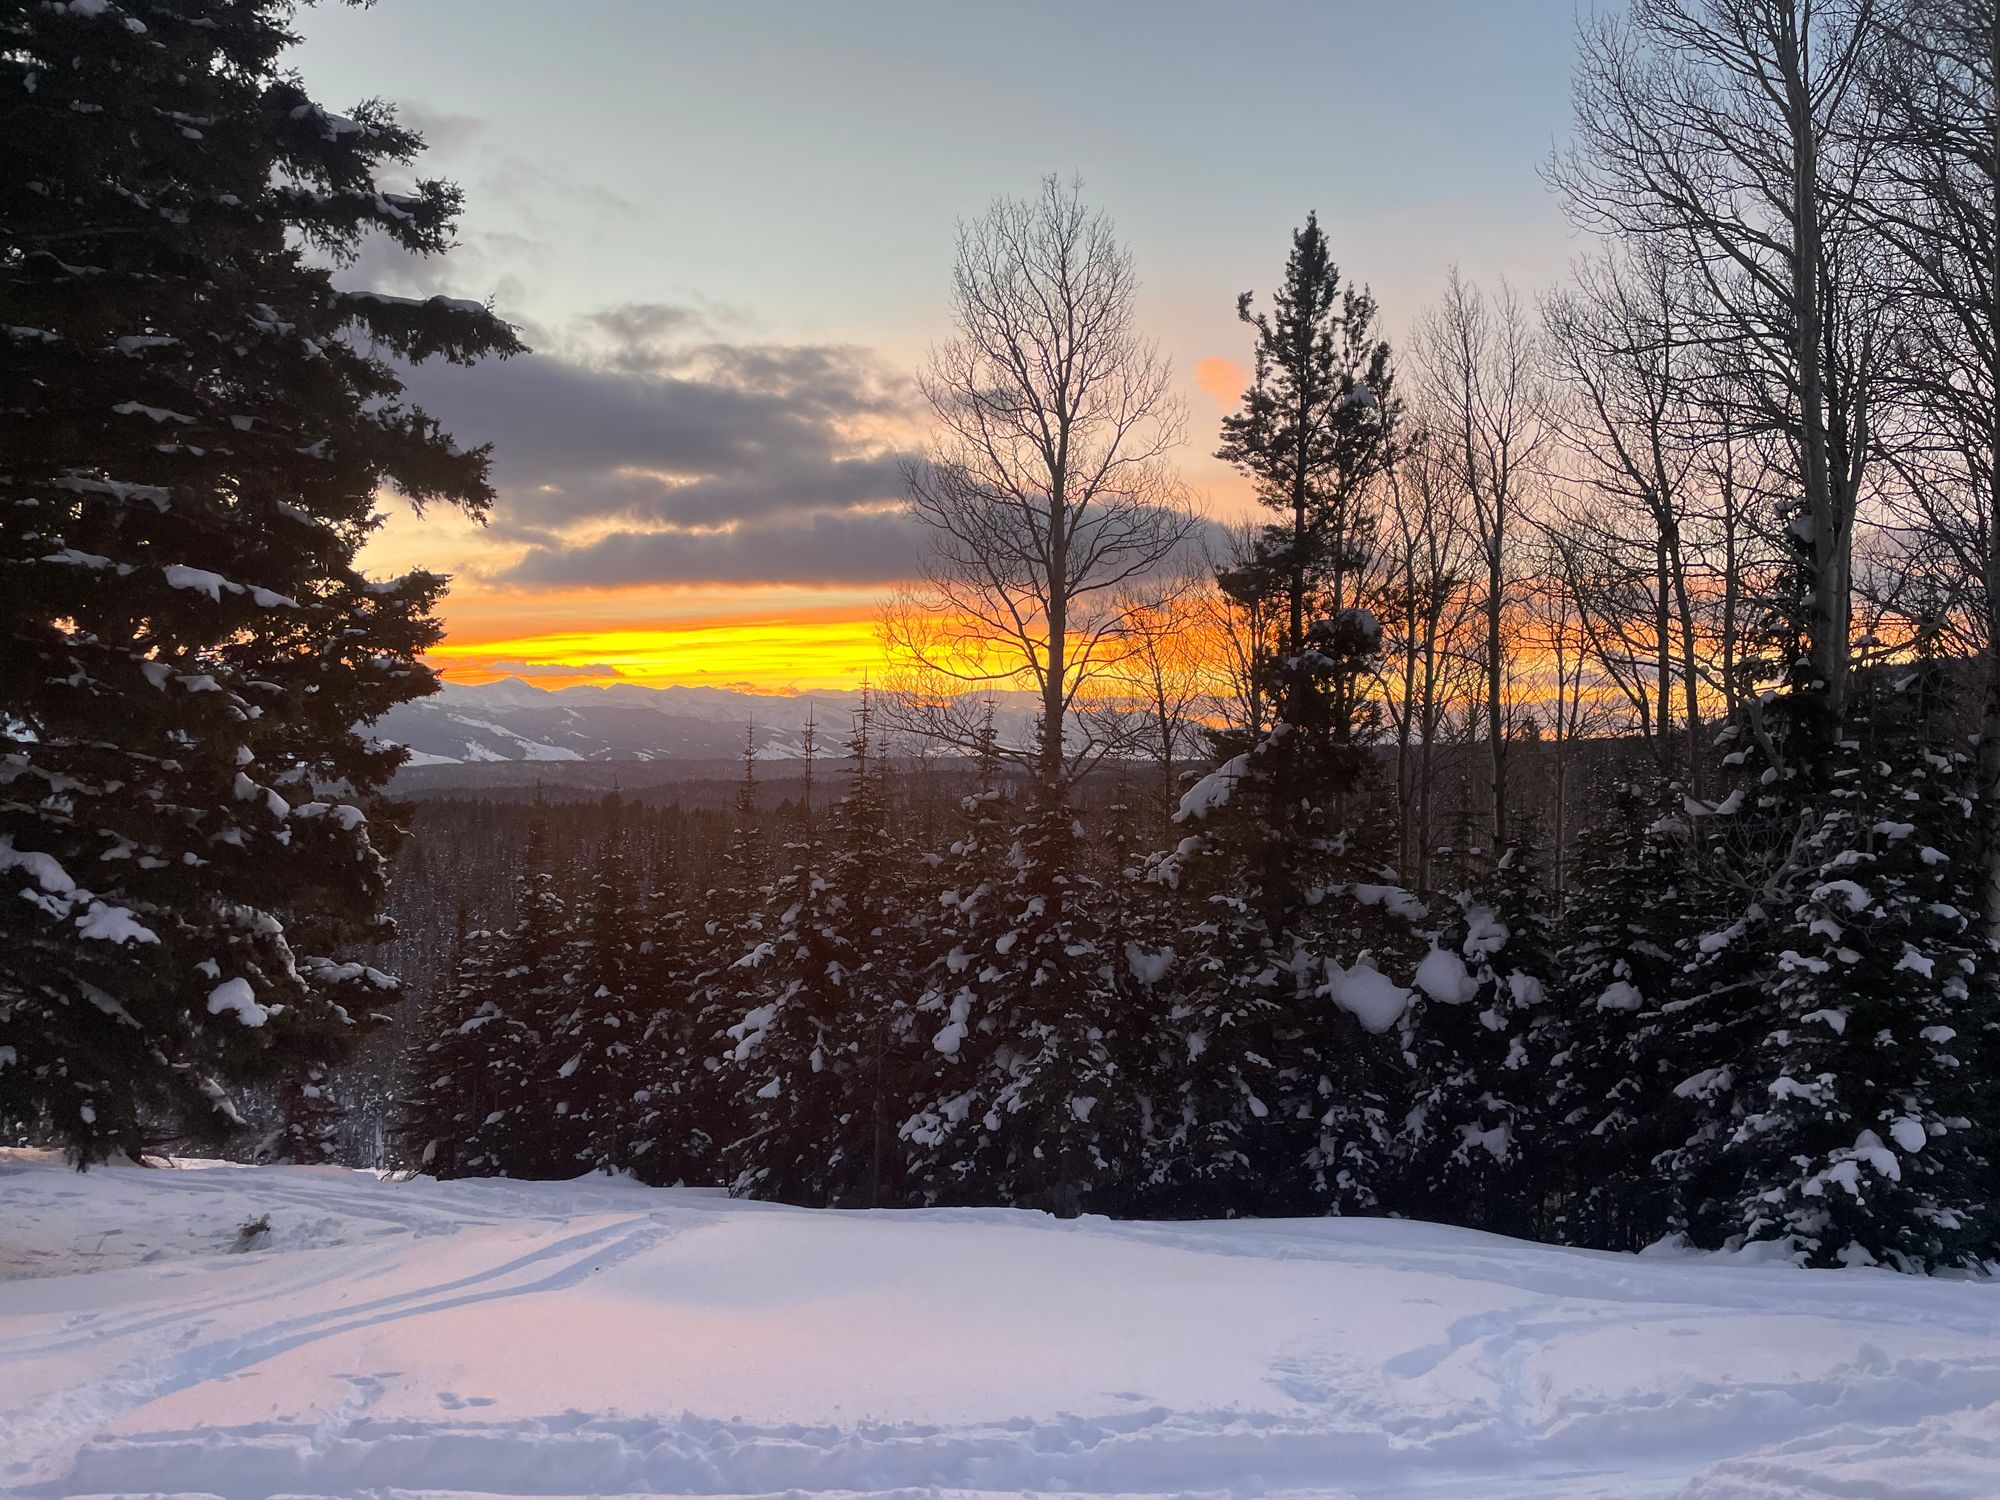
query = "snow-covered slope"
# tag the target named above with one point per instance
(515, 720)
(499, 1338)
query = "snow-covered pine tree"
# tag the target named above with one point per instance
(1855, 1146)
(588, 1059)
(961, 921)
(873, 883)
(1751, 859)
(729, 925)
(1612, 1035)
(791, 1051)
(464, 1072)
(522, 1135)
(1053, 1122)
(1286, 1083)
(1232, 1003)
(676, 1059)
(196, 425)
(1472, 1156)
(308, 1128)
(1142, 949)
(823, 1054)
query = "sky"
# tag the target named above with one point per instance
(726, 228)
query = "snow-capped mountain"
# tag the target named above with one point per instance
(513, 720)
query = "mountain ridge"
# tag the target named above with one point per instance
(510, 719)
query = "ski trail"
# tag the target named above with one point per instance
(182, 1360)
(554, 1339)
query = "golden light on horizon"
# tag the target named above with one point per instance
(833, 648)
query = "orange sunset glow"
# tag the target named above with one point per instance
(828, 648)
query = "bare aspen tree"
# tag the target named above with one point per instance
(1554, 634)
(1632, 377)
(1934, 195)
(1427, 600)
(1713, 127)
(1612, 575)
(1166, 678)
(1245, 627)
(1045, 495)
(1483, 396)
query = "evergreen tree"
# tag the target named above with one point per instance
(1473, 1156)
(873, 886)
(195, 441)
(464, 1072)
(308, 1129)
(1285, 1096)
(675, 1062)
(822, 1053)
(591, 1046)
(965, 920)
(524, 1135)
(722, 988)
(1144, 951)
(794, 1052)
(1854, 1145)
(196, 425)
(1614, 1036)
(1315, 429)
(1235, 997)
(1054, 1119)
(1754, 858)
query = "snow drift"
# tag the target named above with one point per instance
(597, 1337)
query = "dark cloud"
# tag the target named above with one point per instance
(664, 421)
(531, 669)
(781, 487)
(826, 548)
(674, 437)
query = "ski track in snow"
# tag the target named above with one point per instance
(431, 1339)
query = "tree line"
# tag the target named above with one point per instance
(1728, 495)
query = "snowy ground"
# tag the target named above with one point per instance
(542, 1339)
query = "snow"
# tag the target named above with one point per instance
(113, 924)
(1485, 933)
(236, 995)
(1367, 994)
(535, 750)
(44, 869)
(1147, 965)
(200, 580)
(118, 489)
(1917, 962)
(1909, 1134)
(1443, 976)
(1393, 899)
(1213, 790)
(70, 557)
(598, 1337)
(1620, 994)
(156, 413)
(1854, 896)
(1727, 807)
(59, 896)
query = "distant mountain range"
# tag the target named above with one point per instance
(512, 720)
